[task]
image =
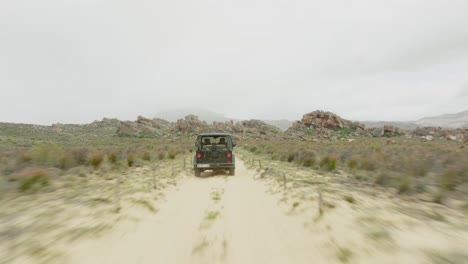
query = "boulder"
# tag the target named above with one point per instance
(451, 137)
(377, 132)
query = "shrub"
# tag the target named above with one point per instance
(328, 162)
(352, 164)
(130, 160)
(46, 154)
(67, 161)
(382, 179)
(80, 155)
(146, 156)
(291, 156)
(113, 157)
(95, 159)
(32, 177)
(161, 155)
(349, 199)
(368, 164)
(308, 161)
(448, 180)
(172, 154)
(404, 185)
(25, 157)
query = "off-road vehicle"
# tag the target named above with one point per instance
(214, 151)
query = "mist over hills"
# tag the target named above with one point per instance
(448, 120)
(458, 120)
(211, 116)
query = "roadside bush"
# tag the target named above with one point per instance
(253, 149)
(25, 156)
(32, 178)
(162, 155)
(95, 159)
(172, 154)
(404, 185)
(291, 156)
(130, 160)
(67, 161)
(308, 161)
(352, 164)
(146, 156)
(80, 155)
(382, 179)
(112, 157)
(46, 154)
(448, 180)
(368, 164)
(328, 162)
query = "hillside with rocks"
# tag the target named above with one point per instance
(458, 120)
(314, 126)
(191, 125)
(321, 125)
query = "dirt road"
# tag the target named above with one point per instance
(211, 219)
(239, 219)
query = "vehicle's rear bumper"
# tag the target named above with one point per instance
(209, 166)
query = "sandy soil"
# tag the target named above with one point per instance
(241, 219)
(211, 219)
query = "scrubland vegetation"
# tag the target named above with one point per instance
(410, 166)
(369, 198)
(55, 190)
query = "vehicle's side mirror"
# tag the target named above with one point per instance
(234, 144)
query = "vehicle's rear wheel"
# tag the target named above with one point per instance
(197, 172)
(232, 171)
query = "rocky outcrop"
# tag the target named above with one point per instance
(144, 127)
(320, 119)
(320, 125)
(391, 131)
(191, 125)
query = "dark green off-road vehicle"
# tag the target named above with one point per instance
(214, 151)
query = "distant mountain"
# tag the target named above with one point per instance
(449, 120)
(403, 125)
(282, 124)
(458, 120)
(210, 116)
(203, 114)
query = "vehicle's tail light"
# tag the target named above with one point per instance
(199, 155)
(229, 154)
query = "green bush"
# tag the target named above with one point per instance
(46, 154)
(328, 162)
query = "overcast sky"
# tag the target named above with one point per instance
(74, 61)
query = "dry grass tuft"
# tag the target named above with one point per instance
(32, 178)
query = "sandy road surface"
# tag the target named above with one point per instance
(212, 219)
